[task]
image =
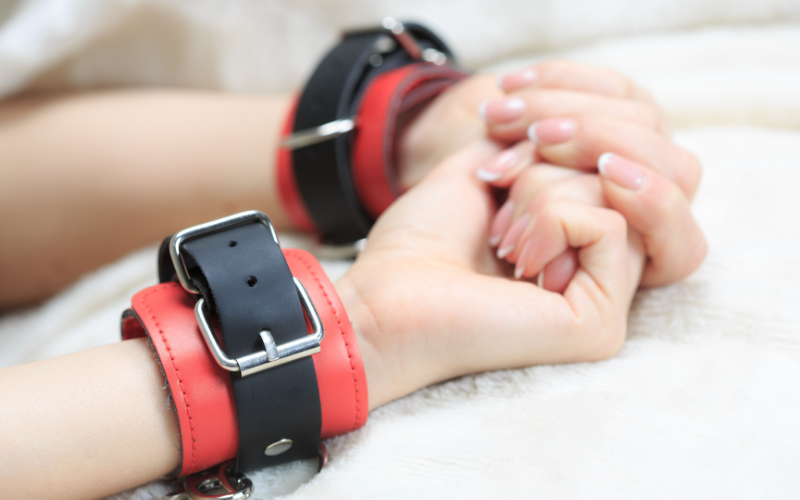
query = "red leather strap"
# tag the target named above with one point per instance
(201, 390)
(287, 184)
(373, 145)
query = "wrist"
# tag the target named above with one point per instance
(430, 132)
(366, 328)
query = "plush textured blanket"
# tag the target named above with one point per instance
(704, 399)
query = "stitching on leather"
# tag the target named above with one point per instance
(303, 260)
(174, 366)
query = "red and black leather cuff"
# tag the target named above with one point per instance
(213, 418)
(336, 171)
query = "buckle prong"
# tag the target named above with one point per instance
(273, 355)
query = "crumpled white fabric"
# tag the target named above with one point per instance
(704, 399)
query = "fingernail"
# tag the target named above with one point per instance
(621, 171)
(552, 130)
(502, 220)
(501, 110)
(522, 261)
(518, 80)
(498, 165)
(511, 237)
(540, 279)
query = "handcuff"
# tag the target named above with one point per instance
(183, 333)
(336, 171)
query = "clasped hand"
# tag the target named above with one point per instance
(432, 299)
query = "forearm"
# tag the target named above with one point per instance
(97, 422)
(76, 168)
(86, 425)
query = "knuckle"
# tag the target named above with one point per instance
(646, 116)
(616, 224)
(611, 340)
(601, 340)
(627, 88)
(664, 204)
(696, 254)
(549, 213)
(546, 196)
(555, 66)
(690, 172)
(525, 185)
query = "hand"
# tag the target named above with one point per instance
(558, 89)
(646, 192)
(430, 301)
(510, 103)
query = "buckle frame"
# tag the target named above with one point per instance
(181, 237)
(273, 355)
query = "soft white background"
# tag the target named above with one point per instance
(704, 399)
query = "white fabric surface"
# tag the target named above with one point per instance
(704, 399)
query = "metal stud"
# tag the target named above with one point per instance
(278, 447)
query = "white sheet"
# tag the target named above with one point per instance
(704, 399)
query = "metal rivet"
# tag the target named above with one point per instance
(375, 60)
(278, 447)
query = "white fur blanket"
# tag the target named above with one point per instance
(704, 399)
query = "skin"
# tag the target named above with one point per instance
(609, 115)
(423, 320)
(64, 155)
(118, 439)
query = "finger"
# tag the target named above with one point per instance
(527, 184)
(574, 76)
(599, 234)
(529, 197)
(535, 192)
(658, 209)
(556, 275)
(579, 142)
(504, 167)
(507, 118)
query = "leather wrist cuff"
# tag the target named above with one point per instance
(337, 183)
(201, 390)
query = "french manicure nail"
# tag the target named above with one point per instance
(552, 130)
(621, 171)
(522, 261)
(514, 81)
(510, 239)
(502, 220)
(502, 110)
(498, 165)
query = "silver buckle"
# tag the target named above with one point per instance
(331, 130)
(181, 237)
(322, 133)
(273, 355)
(409, 42)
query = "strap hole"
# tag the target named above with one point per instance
(231, 244)
(251, 281)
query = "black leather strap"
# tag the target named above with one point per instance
(244, 278)
(322, 170)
